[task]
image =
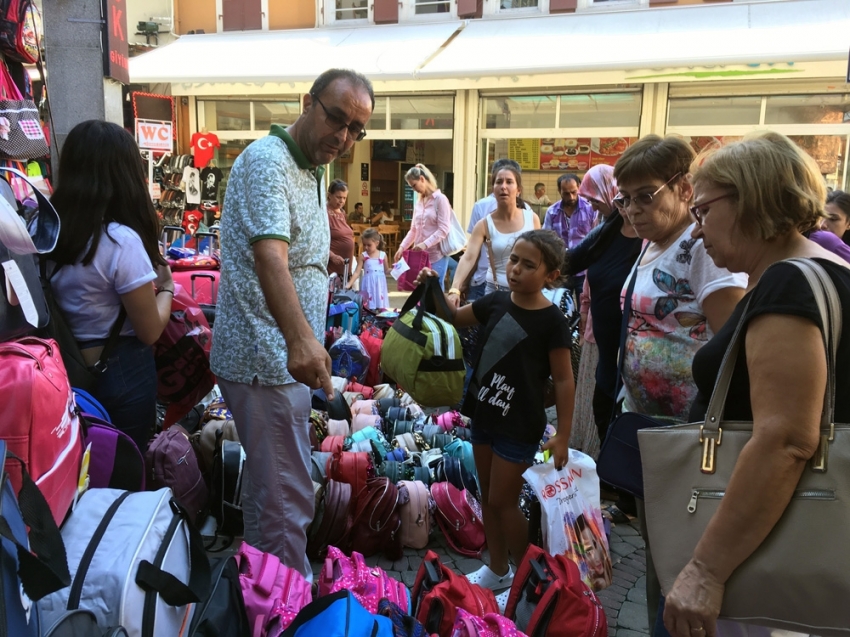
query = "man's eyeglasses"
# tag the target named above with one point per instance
(644, 198)
(354, 130)
(701, 210)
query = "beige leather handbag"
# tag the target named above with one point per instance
(799, 578)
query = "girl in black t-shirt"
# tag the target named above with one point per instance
(524, 340)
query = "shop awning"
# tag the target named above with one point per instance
(707, 35)
(385, 52)
(640, 39)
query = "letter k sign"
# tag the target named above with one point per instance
(117, 29)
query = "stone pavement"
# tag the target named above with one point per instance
(624, 601)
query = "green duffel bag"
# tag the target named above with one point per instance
(422, 352)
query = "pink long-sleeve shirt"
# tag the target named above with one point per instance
(430, 224)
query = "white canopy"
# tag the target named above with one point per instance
(695, 35)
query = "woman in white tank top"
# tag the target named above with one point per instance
(496, 233)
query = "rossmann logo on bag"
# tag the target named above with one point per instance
(561, 485)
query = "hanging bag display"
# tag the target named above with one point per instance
(687, 469)
(21, 135)
(25, 230)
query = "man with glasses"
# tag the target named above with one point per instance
(268, 347)
(571, 218)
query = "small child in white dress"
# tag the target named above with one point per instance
(374, 266)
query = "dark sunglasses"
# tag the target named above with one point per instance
(699, 211)
(354, 130)
(644, 198)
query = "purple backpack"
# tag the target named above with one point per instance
(115, 461)
(171, 462)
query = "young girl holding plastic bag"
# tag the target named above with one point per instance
(524, 338)
(571, 515)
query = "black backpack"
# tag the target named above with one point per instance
(223, 613)
(226, 487)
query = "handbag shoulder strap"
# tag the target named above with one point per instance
(829, 307)
(624, 325)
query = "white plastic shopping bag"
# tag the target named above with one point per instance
(571, 515)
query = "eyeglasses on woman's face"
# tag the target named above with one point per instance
(355, 131)
(642, 199)
(700, 210)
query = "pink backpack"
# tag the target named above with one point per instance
(491, 625)
(272, 591)
(40, 423)
(368, 584)
(459, 517)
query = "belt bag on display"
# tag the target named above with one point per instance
(686, 470)
(21, 135)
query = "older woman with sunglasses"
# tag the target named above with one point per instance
(680, 298)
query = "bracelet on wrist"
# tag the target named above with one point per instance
(454, 291)
(161, 290)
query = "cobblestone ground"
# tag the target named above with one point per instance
(624, 601)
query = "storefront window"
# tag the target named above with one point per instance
(351, 10)
(424, 7)
(226, 115)
(525, 111)
(599, 110)
(518, 4)
(830, 153)
(268, 113)
(714, 111)
(421, 112)
(807, 109)
(378, 121)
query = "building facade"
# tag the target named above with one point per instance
(559, 85)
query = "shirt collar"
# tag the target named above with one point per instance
(297, 154)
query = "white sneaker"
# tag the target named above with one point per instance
(486, 578)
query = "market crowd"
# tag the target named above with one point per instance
(690, 248)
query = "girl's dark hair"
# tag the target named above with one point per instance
(517, 171)
(552, 249)
(840, 199)
(371, 234)
(337, 185)
(101, 179)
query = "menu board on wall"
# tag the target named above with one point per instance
(525, 152)
(579, 154)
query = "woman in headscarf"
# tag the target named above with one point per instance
(599, 189)
(608, 253)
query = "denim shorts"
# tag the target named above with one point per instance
(505, 448)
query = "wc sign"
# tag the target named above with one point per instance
(154, 135)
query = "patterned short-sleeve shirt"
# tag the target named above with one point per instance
(272, 193)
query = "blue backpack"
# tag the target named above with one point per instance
(88, 404)
(29, 570)
(338, 615)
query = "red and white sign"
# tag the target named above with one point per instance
(154, 135)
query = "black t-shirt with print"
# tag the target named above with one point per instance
(782, 289)
(210, 179)
(505, 395)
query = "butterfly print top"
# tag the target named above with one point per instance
(667, 326)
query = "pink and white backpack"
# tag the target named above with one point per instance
(368, 584)
(273, 592)
(491, 625)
